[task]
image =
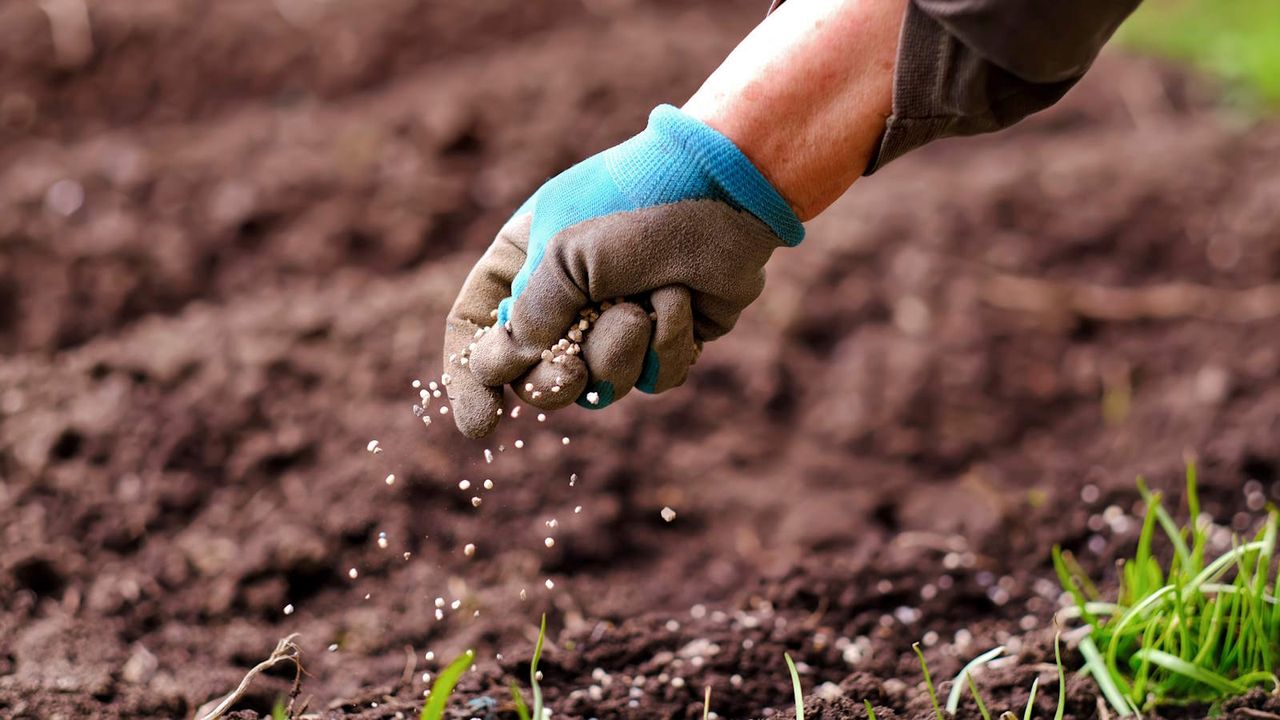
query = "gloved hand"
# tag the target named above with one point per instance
(629, 261)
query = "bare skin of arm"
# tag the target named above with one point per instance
(806, 94)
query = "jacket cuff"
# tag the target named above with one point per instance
(731, 170)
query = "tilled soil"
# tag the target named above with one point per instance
(228, 238)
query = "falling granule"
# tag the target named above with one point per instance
(455, 604)
(444, 409)
(429, 656)
(524, 594)
(373, 447)
(439, 614)
(464, 485)
(593, 398)
(432, 385)
(469, 550)
(382, 540)
(368, 595)
(439, 602)
(391, 479)
(475, 501)
(426, 677)
(488, 455)
(549, 542)
(542, 417)
(564, 440)
(515, 412)
(475, 614)
(353, 573)
(417, 384)
(407, 555)
(549, 584)
(444, 379)
(488, 484)
(552, 523)
(426, 419)
(333, 647)
(668, 514)
(435, 393)
(577, 509)
(288, 609)
(528, 387)
(519, 444)
(424, 396)
(573, 479)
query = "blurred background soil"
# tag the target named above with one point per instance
(228, 236)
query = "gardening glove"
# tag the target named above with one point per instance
(613, 274)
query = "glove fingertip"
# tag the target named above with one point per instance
(476, 411)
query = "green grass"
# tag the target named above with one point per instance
(964, 680)
(1183, 630)
(795, 686)
(1236, 39)
(522, 710)
(442, 688)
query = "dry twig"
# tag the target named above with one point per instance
(286, 651)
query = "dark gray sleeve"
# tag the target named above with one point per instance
(967, 67)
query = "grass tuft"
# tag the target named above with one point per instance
(1181, 630)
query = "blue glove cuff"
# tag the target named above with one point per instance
(652, 162)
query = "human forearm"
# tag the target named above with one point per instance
(806, 94)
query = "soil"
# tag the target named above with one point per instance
(228, 237)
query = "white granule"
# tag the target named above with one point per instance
(288, 609)
(549, 584)
(464, 484)
(353, 573)
(417, 384)
(593, 398)
(549, 542)
(519, 444)
(668, 514)
(373, 447)
(391, 479)
(488, 484)
(469, 549)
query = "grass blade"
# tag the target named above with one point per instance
(1031, 699)
(1177, 665)
(977, 697)
(871, 712)
(928, 681)
(538, 712)
(1106, 683)
(957, 685)
(442, 688)
(706, 704)
(795, 685)
(522, 710)
(1062, 678)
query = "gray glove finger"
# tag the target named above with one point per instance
(673, 349)
(476, 404)
(553, 383)
(540, 318)
(614, 351)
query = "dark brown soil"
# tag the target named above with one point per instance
(275, 216)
